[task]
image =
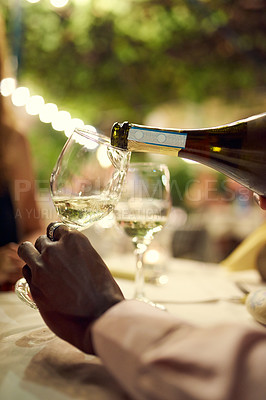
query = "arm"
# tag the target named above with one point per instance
(26, 213)
(156, 356)
(151, 353)
(10, 265)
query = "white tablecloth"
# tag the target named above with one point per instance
(35, 364)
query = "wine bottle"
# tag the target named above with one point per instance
(237, 150)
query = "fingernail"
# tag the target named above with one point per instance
(256, 197)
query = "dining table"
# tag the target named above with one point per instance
(37, 365)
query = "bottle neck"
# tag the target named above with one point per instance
(159, 140)
(142, 138)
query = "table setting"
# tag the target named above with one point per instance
(89, 181)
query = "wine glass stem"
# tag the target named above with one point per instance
(139, 276)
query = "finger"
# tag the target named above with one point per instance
(263, 202)
(29, 254)
(56, 230)
(42, 242)
(27, 273)
(60, 232)
(256, 197)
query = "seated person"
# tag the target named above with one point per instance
(19, 214)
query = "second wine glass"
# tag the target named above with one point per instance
(143, 210)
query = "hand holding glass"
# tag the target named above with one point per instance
(85, 184)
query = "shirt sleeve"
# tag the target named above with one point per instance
(156, 356)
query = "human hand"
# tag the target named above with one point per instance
(70, 284)
(10, 264)
(260, 200)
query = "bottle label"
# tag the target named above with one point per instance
(158, 137)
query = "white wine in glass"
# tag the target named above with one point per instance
(143, 211)
(86, 184)
(87, 180)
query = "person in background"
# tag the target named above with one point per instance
(19, 214)
(151, 353)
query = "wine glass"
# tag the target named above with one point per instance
(143, 210)
(85, 184)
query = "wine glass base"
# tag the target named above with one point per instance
(22, 290)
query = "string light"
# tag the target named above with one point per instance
(103, 158)
(48, 112)
(54, 3)
(59, 3)
(35, 105)
(7, 86)
(74, 123)
(61, 120)
(20, 96)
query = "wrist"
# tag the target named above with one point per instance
(88, 342)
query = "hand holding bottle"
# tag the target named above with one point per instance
(260, 200)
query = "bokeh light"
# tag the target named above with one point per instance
(59, 3)
(74, 123)
(61, 120)
(48, 112)
(34, 105)
(20, 96)
(103, 158)
(8, 86)
(54, 3)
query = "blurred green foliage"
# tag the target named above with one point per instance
(46, 146)
(108, 60)
(96, 56)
